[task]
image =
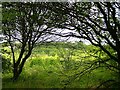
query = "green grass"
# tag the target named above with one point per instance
(38, 78)
(53, 67)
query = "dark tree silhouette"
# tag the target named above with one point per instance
(24, 23)
(97, 22)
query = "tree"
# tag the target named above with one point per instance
(24, 25)
(97, 22)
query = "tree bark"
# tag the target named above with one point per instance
(18, 68)
(118, 57)
(119, 65)
(15, 73)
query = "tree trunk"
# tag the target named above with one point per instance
(15, 73)
(18, 67)
(118, 55)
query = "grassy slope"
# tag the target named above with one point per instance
(50, 66)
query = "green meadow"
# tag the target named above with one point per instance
(60, 65)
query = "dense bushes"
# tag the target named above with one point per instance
(6, 64)
(6, 58)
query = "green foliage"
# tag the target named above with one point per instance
(35, 62)
(6, 64)
(68, 61)
(61, 68)
(6, 58)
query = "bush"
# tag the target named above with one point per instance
(35, 62)
(6, 59)
(6, 64)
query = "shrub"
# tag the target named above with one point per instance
(6, 64)
(35, 62)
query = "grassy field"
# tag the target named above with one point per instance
(60, 66)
